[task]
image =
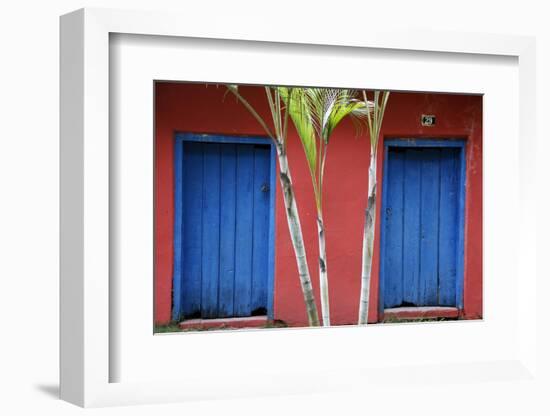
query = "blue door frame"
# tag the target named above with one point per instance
(180, 139)
(459, 144)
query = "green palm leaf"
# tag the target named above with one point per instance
(330, 106)
(295, 100)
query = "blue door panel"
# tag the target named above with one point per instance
(244, 229)
(227, 229)
(429, 222)
(411, 233)
(449, 217)
(192, 230)
(210, 229)
(394, 230)
(262, 165)
(422, 225)
(222, 219)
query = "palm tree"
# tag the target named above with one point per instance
(279, 135)
(315, 113)
(377, 107)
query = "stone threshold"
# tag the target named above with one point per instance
(422, 312)
(239, 322)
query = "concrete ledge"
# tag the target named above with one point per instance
(422, 312)
(244, 322)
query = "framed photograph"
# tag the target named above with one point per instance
(281, 213)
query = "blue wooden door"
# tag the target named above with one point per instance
(422, 225)
(225, 212)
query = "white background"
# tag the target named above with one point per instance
(29, 208)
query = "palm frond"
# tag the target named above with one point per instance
(295, 100)
(235, 90)
(338, 104)
(273, 110)
(375, 115)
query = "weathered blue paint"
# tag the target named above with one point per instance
(423, 143)
(383, 232)
(271, 237)
(178, 230)
(191, 253)
(244, 230)
(213, 138)
(210, 229)
(448, 241)
(224, 226)
(394, 230)
(429, 226)
(461, 225)
(260, 234)
(227, 228)
(411, 252)
(422, 224)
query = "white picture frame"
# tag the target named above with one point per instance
(88, 306)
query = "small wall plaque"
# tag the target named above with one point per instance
(428, 120)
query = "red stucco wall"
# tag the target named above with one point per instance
(196, 108)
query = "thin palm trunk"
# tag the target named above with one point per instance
(323, 273)
(295, 229)
(316, 112)
(368, 243)
(374, 125)
(291, 207)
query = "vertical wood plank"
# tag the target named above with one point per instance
(262, 191)
(461, 231)
(429, 227)
(411, 230)
(210, 230)
(448, 226)
(271, 245)
(192, 229)
(383, 233)
(244, 230)
(393, 268)
(227, 229)
(178, 229)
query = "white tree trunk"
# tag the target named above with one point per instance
(323, 273)
(368, 243)
(297, 238)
